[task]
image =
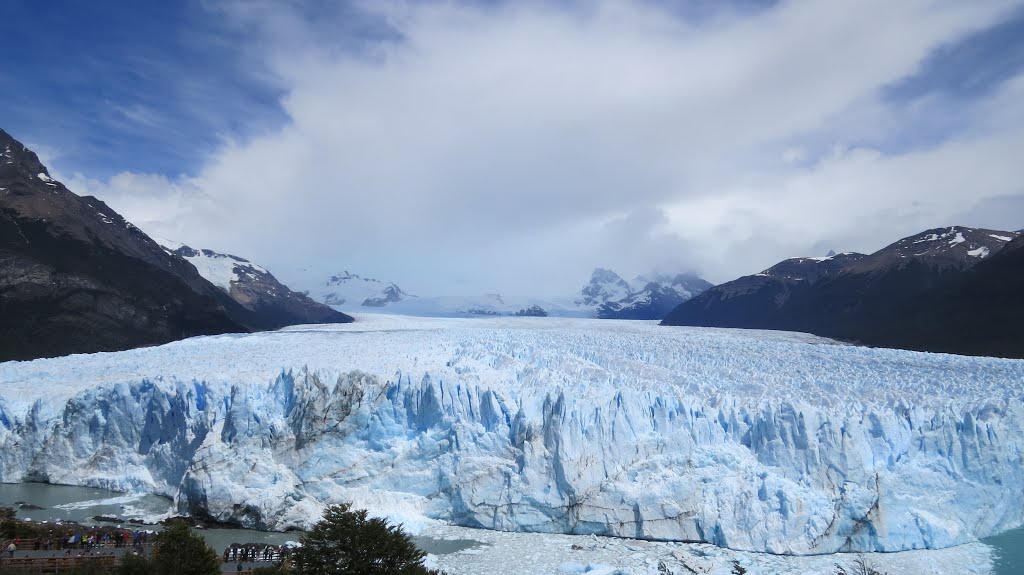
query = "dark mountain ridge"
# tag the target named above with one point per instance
(900, 296)
(257, 290)
(76, 277)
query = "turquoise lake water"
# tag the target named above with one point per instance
(81, 504)
(1010, 548)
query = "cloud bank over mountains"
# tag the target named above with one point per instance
(459, 147)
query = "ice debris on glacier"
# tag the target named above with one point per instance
(764, 441)
(517, 553)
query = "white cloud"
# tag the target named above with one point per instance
(514, 148)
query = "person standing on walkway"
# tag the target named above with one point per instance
(11, 548)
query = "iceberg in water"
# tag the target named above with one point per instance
(765, 441)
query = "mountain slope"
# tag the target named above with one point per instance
(979, 313)
(855, 297)
(256, 289)
(76, 277)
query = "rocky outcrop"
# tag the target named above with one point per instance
(76, 277)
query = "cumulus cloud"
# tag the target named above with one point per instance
(514, 147)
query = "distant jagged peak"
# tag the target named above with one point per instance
(604, 285)
(346, 276)
(648, 296)
(352, 289)
(604, 275)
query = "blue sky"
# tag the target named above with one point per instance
(157, 86)
(631, 135)
(142, 86)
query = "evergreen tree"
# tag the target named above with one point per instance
(346, 542)
(179, 551)
(135, 565)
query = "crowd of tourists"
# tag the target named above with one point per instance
(78, 538)
(255, 553)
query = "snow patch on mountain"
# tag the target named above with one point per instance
(349, 290)
(604, 286)
(607, 295)
(953, 243)
(765, 441)
(219, 269)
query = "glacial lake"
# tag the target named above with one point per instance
(1010, 550)
(81, 504)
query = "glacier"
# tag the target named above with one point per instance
(760, 441)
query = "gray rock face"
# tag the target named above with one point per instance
(76, 277)
(271, 303)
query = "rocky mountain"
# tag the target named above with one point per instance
(532, 311)
(351, 290)
(647, 297)
(899, 296)
(76, 277)
(979, 312)
(604, 286)
(255, 288)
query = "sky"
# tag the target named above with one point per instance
(465, 147)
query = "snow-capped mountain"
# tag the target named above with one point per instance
(255, 288)
(351, 290)
(869, 298)
(76, 277)
(769, 441)
(604, 286)
(646, 297)
(484, 305)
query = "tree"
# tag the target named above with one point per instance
(135, 565)
(346, 542)
(179, 551)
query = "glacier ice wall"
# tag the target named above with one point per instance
(752, 441)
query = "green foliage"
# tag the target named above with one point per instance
(179, 551)
(346, 542)
(135, 565)
(11, 527)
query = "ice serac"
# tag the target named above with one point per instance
(762, 441)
